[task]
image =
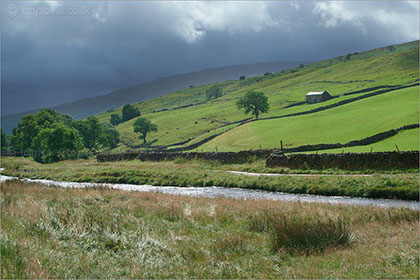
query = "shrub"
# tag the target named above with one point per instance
(214, 92)
(129, 112)
(115, 119)
(310, 234)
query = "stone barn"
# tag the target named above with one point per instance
(315, 97)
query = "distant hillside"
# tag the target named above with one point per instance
(133, 94)
(186, 117)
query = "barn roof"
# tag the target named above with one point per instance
(315, 93)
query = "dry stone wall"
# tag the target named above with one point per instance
(347, 161)
(224, 157)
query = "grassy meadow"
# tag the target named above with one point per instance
(345, 123)
(365, 70)
(102, 233)
(397, 184)
(406, 140)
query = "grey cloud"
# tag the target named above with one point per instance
(51, 59)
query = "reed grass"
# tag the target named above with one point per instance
(311, 234)
(101, 233)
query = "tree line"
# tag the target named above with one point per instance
(128, 112)
(50, 136)
(141, 125)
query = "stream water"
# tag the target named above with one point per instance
(214, 192)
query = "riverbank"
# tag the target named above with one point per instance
(221, 192)
(196, 173)
(103, 233)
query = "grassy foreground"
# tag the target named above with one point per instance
(199, 173)
(99, 233)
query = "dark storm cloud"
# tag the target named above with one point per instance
(57, 52)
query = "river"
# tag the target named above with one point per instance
(214, 192)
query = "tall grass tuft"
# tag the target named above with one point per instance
(13, 264)
(261, 221)
(297, 234)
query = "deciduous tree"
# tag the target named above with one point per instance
(90, 129)
(115, 119)
(254, 102)
(144, 126)
(58, 142)
(129, 112)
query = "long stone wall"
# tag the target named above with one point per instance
(347, 161)
(224, 157)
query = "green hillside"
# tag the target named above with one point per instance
(370, 71)
(342, 124)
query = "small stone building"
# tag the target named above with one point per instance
(315, 97)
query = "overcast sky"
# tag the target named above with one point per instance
(55, 52)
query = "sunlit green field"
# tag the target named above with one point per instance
(407, 140)
(342, 124)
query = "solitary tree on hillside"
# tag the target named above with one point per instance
(144, 126)
(254, 102)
